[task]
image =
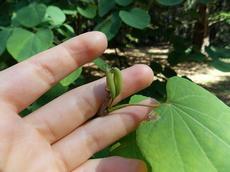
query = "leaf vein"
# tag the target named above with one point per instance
(174, 138)
(196, 140)
(204, 126)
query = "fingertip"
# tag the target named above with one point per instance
(140, 76)
(87, 46)
(146, 72)
(100, 39)
(97, 42)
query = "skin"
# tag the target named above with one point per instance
(61, 136)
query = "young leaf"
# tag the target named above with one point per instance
(55, 15)
(192, 133)
(23, 44)
(136, 17)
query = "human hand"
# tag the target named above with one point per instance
(60, 137)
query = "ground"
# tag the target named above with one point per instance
(203, 74)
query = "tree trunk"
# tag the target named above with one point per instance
(201, 34)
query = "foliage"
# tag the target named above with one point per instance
(22, 44)
(188, 136)
(189, 133)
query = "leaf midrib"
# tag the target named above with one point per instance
(175, 141)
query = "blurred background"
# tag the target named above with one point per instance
(188, 38)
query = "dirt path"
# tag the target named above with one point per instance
(207, 76)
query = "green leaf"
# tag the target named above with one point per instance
(127, 147)
(71, 78)
(31, 15)
(124, 2)
(101, 154)
(66, 30)
(104, 6)
(220, 58)
(217, 52)
(23, 44)
(4, 35)
(101, 64)
(221, 64)
(55, 15)
(169, 2)
(137, 99)
(110, 26)
(192, 133)
(136, 17)
(89, 12)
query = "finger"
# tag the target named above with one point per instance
(112, 164)
(63, 115)
(24, 82)
(81, 144)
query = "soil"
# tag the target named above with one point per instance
(203, 74)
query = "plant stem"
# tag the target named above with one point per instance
(134, 104)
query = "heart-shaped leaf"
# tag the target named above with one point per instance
(23, 44)
(192, 134)
(136, 17)
(55, 15)
(31, 15)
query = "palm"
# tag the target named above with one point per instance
(60, 137)
(25, 148)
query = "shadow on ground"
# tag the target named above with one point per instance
(221, 89)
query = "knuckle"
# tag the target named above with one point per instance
(45, 72)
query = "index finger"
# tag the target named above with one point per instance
(24, 82)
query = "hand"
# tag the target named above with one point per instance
(60, 137)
